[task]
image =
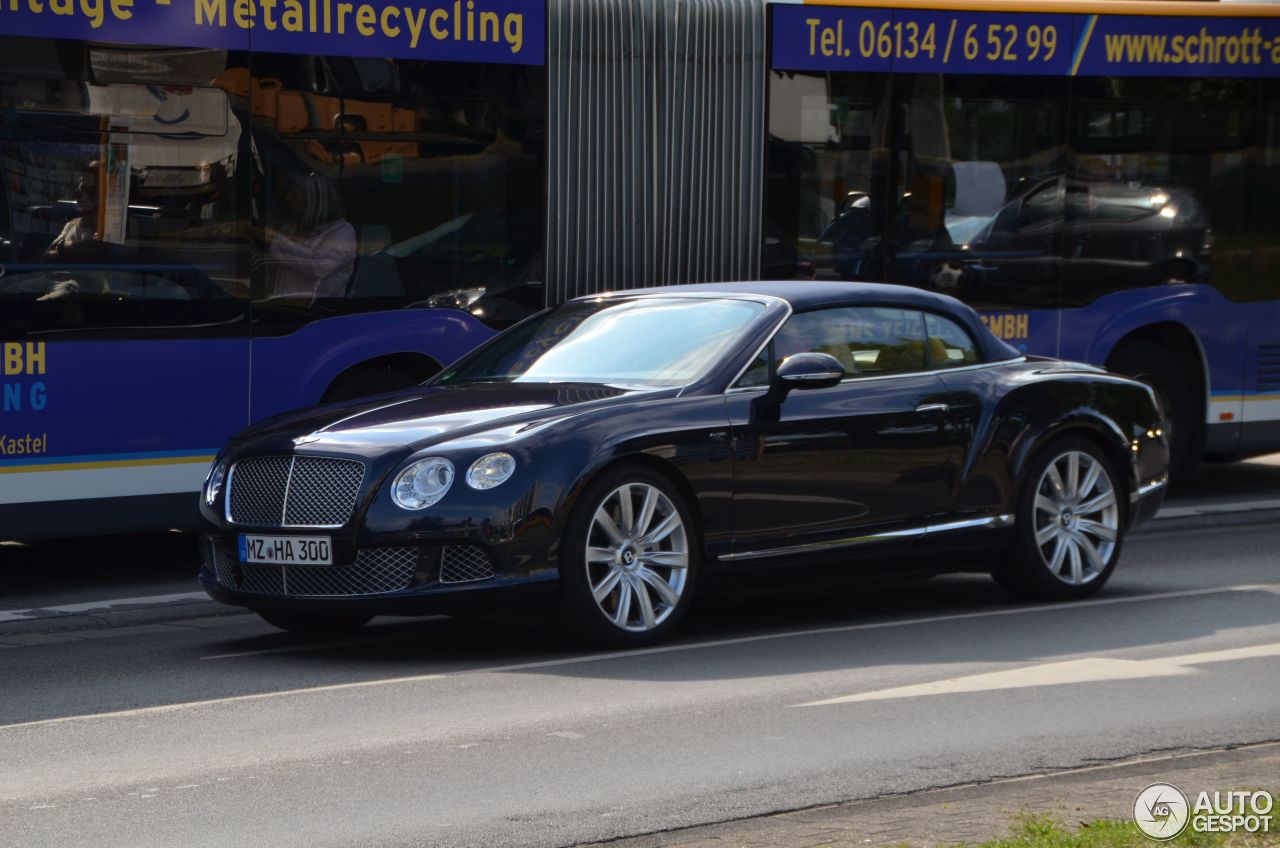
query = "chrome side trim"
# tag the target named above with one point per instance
(990, 522)
(859, 378)
(815, 377)
(1154, 486)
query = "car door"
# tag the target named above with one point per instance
(826, 467)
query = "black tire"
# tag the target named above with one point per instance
(1158, 366)
(1026, 572)
(580, 613)
(314, 623)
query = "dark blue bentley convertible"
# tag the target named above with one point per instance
(605, 456)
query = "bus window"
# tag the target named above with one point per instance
(388, 184)
(978, 176)
(825, 169)
(122, 202)
(1166, 166)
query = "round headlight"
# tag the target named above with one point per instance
(491, 470)
(213, 485)
(423, 483)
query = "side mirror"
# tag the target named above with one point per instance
(806, 371)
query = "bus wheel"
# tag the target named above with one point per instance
(365, 381)
(1164, 371)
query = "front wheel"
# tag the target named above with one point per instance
(629, 559)
(314, 624)
(1069, 525)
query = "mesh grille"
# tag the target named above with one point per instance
(256, 494)
(322, 491)
(375, 571)
(303, 491)
(464, 564)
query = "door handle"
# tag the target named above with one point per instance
(925, 408)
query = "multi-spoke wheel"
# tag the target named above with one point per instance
(1069, 525)
(628, 558)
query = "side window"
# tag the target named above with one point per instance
(759, 371)
(950, 345)
(867, 341)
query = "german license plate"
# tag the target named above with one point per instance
(286, 550)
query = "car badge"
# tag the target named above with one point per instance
(306, 440)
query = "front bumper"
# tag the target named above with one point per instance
(407, 579)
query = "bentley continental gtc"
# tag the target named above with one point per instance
(606, 457)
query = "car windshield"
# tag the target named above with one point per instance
(610, 341)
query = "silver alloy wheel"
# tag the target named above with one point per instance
(637, 557)
(1077, 517)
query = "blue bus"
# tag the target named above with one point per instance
(197, 236)
(213, 212)
(1100, 180)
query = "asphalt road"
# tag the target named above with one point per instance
(219, 731)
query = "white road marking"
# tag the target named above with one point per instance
(1087, 670)
(91, 606)
(184, 705)
(643, 652)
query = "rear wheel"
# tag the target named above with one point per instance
(1160, 368)
(629, 559)
(1069, 527)
(312, 623)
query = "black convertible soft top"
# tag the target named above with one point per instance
(804, 295)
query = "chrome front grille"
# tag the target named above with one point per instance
(464, 564)
(376, 571)
(293, 491)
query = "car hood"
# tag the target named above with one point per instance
(425, 416)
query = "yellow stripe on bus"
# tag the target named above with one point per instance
(110, 463)
(1245, 398)
(1078, 7)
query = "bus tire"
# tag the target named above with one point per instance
(1160, 368)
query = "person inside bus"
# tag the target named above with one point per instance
(81, 236)
(312, 255)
